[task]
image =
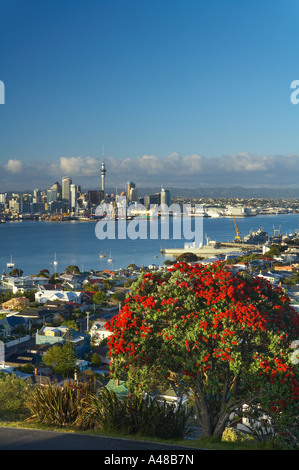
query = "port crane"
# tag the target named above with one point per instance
(277, 231)
(237, 237)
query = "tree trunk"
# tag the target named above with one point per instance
(220, 426)
(211, 422)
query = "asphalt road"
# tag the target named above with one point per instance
(30, 439)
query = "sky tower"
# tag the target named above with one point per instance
(103, 171)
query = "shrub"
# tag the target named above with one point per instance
(13, 396)
(134, 415)
(58, 406)
(231, 435)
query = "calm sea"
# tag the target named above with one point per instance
(34, 245)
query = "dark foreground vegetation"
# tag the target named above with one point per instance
(77, 407)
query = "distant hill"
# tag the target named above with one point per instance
(222, 192)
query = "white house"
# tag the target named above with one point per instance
(22, 283)
(98, 331)
(42, 296)
(270, 277)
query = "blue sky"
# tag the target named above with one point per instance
(180, 93)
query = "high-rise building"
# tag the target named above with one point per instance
(74, 198)
(130, 186)
(37, 197)
(66, 189)
(103, 172)
(133, 195)
(51, 195)
(3, 198)
(165, 197)
(57, 186)
(94, 196)
(152, 201)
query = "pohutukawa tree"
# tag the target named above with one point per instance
(224, 338)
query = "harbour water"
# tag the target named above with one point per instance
(33, 245)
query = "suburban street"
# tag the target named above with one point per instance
(30, 439)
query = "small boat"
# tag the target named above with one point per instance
(102, 255)
(11, 264)
(55, 262)
(110, 259)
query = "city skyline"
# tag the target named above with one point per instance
(185, 94)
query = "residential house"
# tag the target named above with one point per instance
(10, 323)
(17, 303)
(71, 285)
(172, 396)
(37, 315)
(23, 358)
(287, 269)
(41, 296)
(10, 370)
(95, 282)
(87, 296)
(270, 277)
(73, 280)
(63, 308)
(61, 334)
(241, 266)
(23, 283)
(52, 287)
(80, 306)
(98, 331)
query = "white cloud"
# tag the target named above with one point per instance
(193, 170)
(14, 166)
(175, 169)
(85, 166)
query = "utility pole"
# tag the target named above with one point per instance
(87, 321)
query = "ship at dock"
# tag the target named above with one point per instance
(253, 241)
(257, 237)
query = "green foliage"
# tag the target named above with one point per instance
(95, 359)
(80, 407)
(99, 297)
(70, 324)
(118, 296)
(223, 337)
(91, 287)
(57, 406)
(16, 272)
(13, 396)
(231, 435)
(187, 257)
(134, 414)
(72, 269)
(26, 368)
(44, 273)
(275, 249)
(62, 359)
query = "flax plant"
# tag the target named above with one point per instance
(55, 405)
